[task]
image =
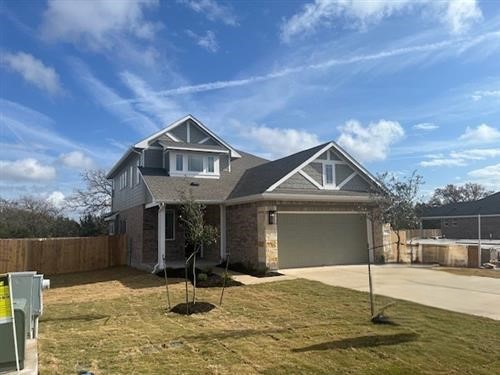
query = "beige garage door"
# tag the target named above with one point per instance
(317, 239)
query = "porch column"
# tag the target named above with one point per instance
(222, 231)
(479, 240)
(161, 235)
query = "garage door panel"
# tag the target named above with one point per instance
(321, 239)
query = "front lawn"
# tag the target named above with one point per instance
(113, 322)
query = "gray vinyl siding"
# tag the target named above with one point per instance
(211, 142)
(180, 132)
(153, 158)
(342, 172)
(298, 182)
(166, 161)
(224, 162)
(196, 134)
(129, 196)
(334, 156)
(357, 183)
(315, 170)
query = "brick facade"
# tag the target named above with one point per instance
(133, 218)
(241, 233)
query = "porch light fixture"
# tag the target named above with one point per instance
(271, 217)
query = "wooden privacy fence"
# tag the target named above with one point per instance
(62, 255)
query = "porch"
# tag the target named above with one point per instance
(164, 237)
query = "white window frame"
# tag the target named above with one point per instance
(331, 185)
(137, 172)
(173, 224)
(185, 165)
(181, 159)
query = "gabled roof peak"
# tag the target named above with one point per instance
(146, 141)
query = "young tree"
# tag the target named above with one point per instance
(95, 199)
(398, 205)
(197, 232)
(455, 193)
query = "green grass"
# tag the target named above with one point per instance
(470, 271)
(113, 322)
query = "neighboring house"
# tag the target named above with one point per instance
(306, 209)
(461, 220)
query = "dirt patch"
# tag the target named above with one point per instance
(192, 308)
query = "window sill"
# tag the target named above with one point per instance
(194, 174)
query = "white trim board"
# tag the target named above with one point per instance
(346, 180)
(310, 179)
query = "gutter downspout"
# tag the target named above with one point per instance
(161, 239)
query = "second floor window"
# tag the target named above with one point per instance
(195, 163)
(210, 164)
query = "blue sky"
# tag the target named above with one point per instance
(402, 85)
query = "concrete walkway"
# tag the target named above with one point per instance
(466, 294)
(249, 279)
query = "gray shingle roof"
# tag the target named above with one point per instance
(256, 180)
(489, 205)
(170, 189)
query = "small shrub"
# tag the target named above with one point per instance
(202, 277)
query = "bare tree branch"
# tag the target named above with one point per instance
(95, 199)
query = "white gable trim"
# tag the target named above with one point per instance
(357, 165)
(311, 180)
(204, 140)
(174, 138)
(316, 155)
(349, 178)
(291, 173)
(145, 142)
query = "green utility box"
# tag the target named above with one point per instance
(7, 348)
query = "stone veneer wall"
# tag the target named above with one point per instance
(134, 222)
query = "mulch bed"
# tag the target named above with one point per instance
(192, 308)
(213, 280)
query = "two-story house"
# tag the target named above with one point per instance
(306, 209)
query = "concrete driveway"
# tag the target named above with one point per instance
(466, 294)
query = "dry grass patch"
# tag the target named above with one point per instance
(294, 326)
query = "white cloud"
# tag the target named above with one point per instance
(207, 41)
(372, 142)
(456, 45)
(112, 102)
(481, 134)
(480, 94)
(488, 176)
(278, 142)
(97, 22)
(76, 160)
(459, 15)
(212, 10)
(26, 170)
(33, 71)
(459, 158)
(426, 126)
(443, 163)
(57, 198)
(476, 154)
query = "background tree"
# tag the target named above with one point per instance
(91, 225)
(30, 217)
(398, 206)
(456, 193)
(95, 199)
